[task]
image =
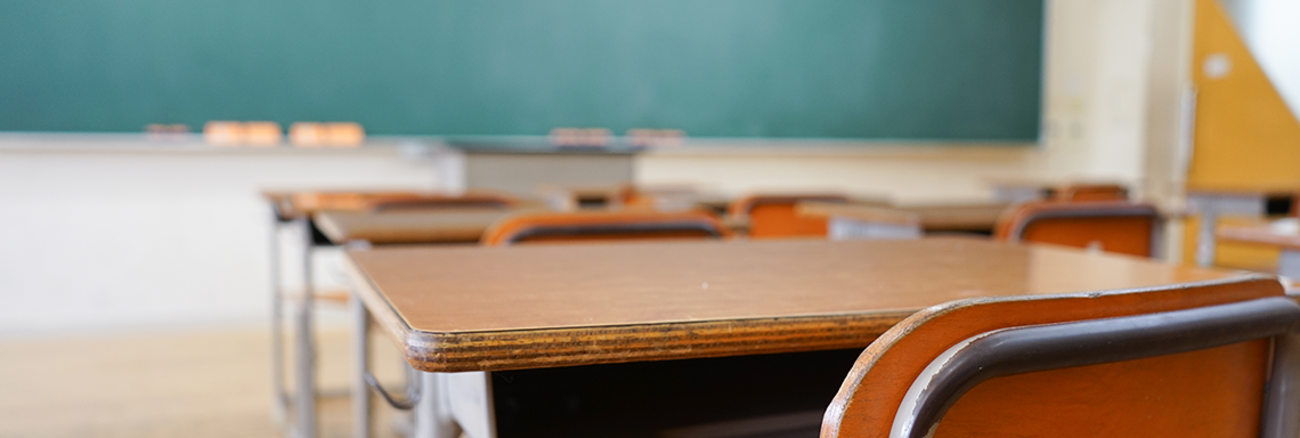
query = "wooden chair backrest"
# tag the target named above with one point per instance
(1120, 227)
(775, 216)
(1211, 392)
(1091, 192)
(602, 225)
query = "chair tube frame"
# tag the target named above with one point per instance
(1020, 350)
(1136, 210)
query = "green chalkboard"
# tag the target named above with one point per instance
(898, 69)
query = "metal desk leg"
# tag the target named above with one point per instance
(280, 402)
(468, 397)
(432, 417)
(841, 228)
(1205, 238)
(1210, 207)
(306, 375)
(1288, 264)
(361, 366)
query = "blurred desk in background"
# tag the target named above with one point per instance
(855, 219)
(408, 226)
(1283, 234)
(1208, 205)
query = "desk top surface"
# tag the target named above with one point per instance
(450, 225)
(863, 213)
(473, 308)
(1283, 233)
(969, 216)
(295, 204)
(291, 204)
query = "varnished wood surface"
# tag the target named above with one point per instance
(408, 226)
(459, 309)
(298, 204)
(977, 216)
(861, 213)
(291, 204)
(602, 225)
(970, 216)
(1207, 393)
(1261, 233)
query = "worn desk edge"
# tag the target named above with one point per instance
(584, 345)
(588, 345)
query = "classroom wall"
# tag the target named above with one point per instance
(1097, 79)
(101, 233)
(106, 233)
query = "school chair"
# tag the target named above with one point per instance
(1091, 192)
(775, 216)
(1119, 227)
(1218, 359)
(601, 225)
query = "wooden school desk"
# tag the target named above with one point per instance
(1209, 204)
(408, 226)
(479, 322)
(856, 219)
(300, 209)
(1283, 234)
(1038, 189)
(290, 209)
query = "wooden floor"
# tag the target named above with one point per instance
(194, 384)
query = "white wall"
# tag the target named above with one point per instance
(911, 173)
(112, 232)
(1096, 81)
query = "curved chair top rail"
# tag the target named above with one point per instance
(872, 394)
(1045, 347)
(610, 225)
(1014, 222)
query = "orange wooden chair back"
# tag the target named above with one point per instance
(1120, 227)
(775, 216)
(1091, 192)
(1205, 392)
(602, 225)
